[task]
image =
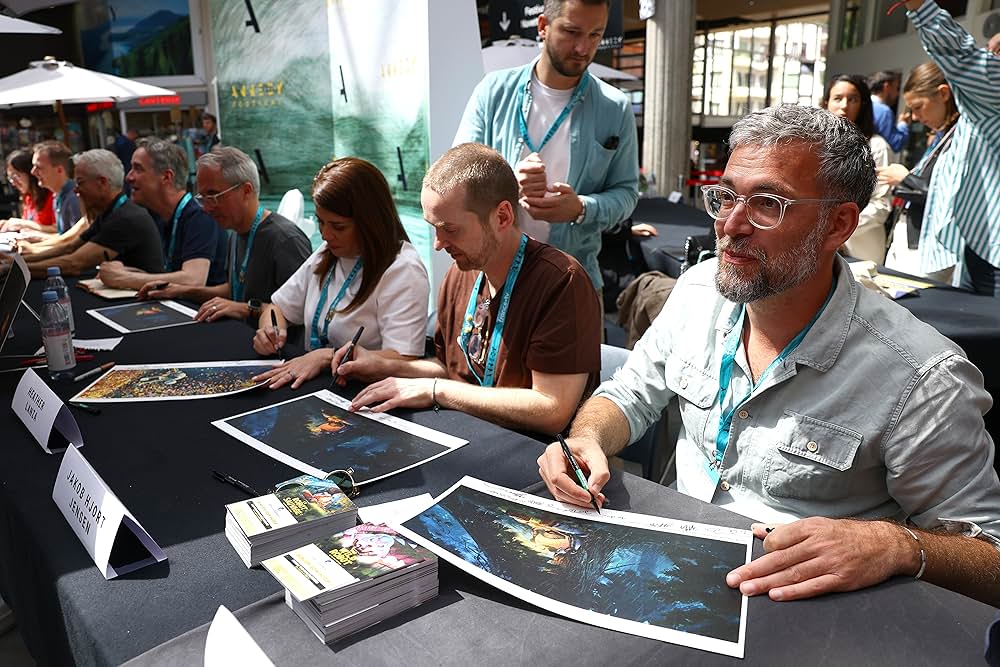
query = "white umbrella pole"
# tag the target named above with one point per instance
(62, 121)
(102, 138)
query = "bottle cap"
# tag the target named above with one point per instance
(53, 271)
(50, 296)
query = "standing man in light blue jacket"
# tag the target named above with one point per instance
(569, 136)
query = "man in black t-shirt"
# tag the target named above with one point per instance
(194, 248)
(264, 251)
(120, 229)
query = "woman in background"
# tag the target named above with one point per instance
(848, 96)
(962, 219)
(931, 103)
(37, 212)
(365, 274)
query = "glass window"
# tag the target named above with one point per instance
(894, 24)
(732, 67)
(852, 26)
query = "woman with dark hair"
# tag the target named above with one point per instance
(932, 103)
(37, 212)
(366, 273)
(847, 96)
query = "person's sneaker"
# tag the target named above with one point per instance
(6, 618)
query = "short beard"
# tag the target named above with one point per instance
(775, 275)
(561, 67)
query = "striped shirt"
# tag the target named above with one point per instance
(963, 202)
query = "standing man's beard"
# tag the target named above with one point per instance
(565, 67)
(772, 275)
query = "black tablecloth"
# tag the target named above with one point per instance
(158, 457)
(901, 622)
(674, 223)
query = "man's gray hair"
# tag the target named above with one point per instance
(235, 165)
(166, 155)
(846, 165)
(103, 163)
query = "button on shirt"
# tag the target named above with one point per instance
(874, 415)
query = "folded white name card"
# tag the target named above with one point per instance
(40, 409)
(112, 536)
(228, 643)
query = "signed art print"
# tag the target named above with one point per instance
(644, 575)
(317, 434)
(144, 315)
(174, 382)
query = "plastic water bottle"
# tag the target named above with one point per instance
(57, 338)
(58, 285)
(651, 190)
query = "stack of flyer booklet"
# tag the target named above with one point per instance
(354, 579)
(298, 512)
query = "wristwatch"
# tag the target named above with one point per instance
(255, 307)
(583, 211)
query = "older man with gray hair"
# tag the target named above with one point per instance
(120, 229)
(852, 429)
(194, 248)
(265, 250)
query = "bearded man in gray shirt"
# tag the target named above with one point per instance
(851, 428)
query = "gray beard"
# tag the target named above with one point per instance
(775, 275)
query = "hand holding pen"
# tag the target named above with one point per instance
(276, 339)
(345, 357)
(270, 339)
(575, 472)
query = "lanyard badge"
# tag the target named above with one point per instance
(487, 378)
(317, 337)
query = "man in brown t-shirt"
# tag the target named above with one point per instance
(527, 364)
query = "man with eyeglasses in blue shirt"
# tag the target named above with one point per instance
(852, 430)
(265, 250)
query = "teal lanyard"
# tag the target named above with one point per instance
(168, 263)
(524, 106)
(317, 338)
(119, 202)
(726, 373)
(508, 289)
(237, 280)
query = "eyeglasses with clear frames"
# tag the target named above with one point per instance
(764, 211)
(214, 199)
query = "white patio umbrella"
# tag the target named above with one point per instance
(518, 52)
(58, 82)
(22, 7)
(9, 24)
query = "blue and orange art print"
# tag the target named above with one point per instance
(317, 434)
(612, 571)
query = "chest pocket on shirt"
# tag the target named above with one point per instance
(697, 393)
(597, 163)
(810, 458)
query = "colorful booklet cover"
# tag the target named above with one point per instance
(296, 501)
(348, 562)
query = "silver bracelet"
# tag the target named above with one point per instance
(923, 554)
(437, 407)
